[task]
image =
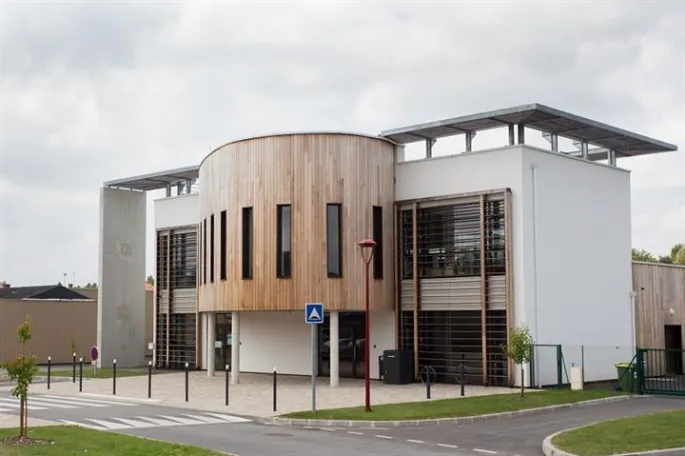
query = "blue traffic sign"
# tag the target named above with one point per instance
(313, 313)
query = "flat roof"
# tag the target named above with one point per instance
(157, 180)
(538, 117)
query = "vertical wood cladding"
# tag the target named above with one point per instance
(307, 172)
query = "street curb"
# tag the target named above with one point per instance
(548, 448)
(438, 421)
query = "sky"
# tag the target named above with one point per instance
(91, 92)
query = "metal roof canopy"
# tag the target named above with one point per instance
(156, 181)
(537, 117)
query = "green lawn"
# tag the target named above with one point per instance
(657, 431)
(451, 408)
(72, 441)
(101, 373)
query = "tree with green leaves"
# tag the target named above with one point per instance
(643, 255)
(22, 370)
(150, 280)
(520, 349)
(679, 257)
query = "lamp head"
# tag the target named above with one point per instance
(367, 247)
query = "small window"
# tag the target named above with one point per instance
(378, 237)
(247, 243)
(222, 247)
(284, 241)
(334, 240)
(204, 251)
(211, 248)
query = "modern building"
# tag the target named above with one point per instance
(470, 245)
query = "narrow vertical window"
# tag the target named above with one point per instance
(378, 237)
(247, 243)
(211, 248)
(222, 247)
(283, 241)
(334, 240)
(204, 251)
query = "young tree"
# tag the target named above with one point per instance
(22, 369)
(520, 349)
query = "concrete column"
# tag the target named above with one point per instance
(205, 355)
(211, 337)
(334, 350)
(235, 348)
(121, 300)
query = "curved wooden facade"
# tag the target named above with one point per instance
(308, 172)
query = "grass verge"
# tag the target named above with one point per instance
(656, 431)
(100, 373)
(72, 441)
(452, 408)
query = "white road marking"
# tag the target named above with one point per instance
(158, 421)
(205, 419)
(135, 423)
(51, 403)
(415, 441)
(181, 420)
(230, 418)
(355, 432)
(447, 445)
(108, 424)
(484, 451)
(92, 402)
(15, 404)
(85, 425)
(383, 436)
(327, 429)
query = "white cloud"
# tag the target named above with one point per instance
(95, 91)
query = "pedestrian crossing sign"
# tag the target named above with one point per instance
(313, 313)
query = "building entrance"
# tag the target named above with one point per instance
(222, 341)
(350, 345)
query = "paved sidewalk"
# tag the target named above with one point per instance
(254, 395)
(12, 421)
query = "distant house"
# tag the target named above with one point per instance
(44, 292)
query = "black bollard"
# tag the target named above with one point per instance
(114, 377)
(186, 382)
(227, 371)
(462, 380)
(275, 388)
(49, 369)
(428, 387)
(73, 367)
(149, 379)
(80, 375)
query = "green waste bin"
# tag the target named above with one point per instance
(627, 380)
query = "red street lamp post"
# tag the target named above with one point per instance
(367, 247)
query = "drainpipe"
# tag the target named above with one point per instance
(533, 168)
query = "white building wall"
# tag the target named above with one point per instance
(177, 211)
(573, 237)
(578, 277)
(283, 340)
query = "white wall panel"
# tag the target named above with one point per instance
(176, 211)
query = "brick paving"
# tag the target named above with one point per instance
(253, 396)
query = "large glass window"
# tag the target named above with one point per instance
(378, 237)
(284, 241)
(222, 247)
(247, 243)
(211, 248)
(334, 240)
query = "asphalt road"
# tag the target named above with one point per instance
(518, 436)
(243, 437)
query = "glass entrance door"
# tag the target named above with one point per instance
(222, 342)
(350, 345)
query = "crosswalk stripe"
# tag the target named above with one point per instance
(231, 418)
(2, 410)
(108, 424)
(181, 419)
(134, 423)
(40, 402)
(85, 425)
(57, 402)
(81, 400)
(15, 405)
(158, 421)
(205, 419)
